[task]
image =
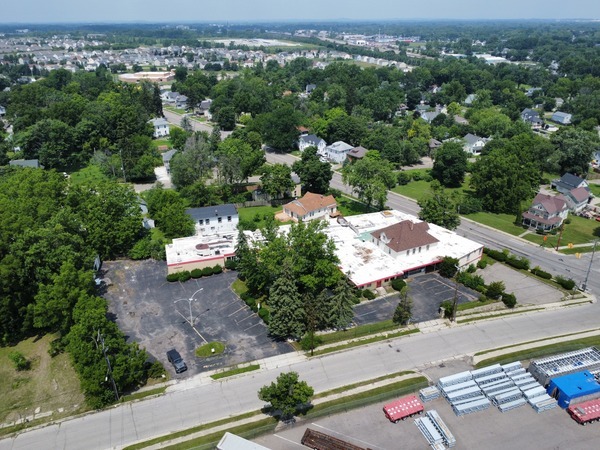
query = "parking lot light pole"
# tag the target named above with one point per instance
(190, 300)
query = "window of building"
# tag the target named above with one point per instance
(228, 218)
(207, 221)
(201, 222)
(219, 220)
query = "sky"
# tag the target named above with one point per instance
(185, 11)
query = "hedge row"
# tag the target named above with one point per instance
(540, 273)
(196, 273)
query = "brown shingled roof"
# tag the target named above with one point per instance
(310, 202)
(405, 235)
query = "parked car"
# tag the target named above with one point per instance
(175, 358)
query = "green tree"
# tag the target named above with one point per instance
(448, 267)
(193, 163)
(276, 180)
(225, 118)
(314, 174)
(278, 128)
(287, 395)
(178, 137)
(403, 311)
(450, 164)
(286, 307)
(370, 178)
(340, 305)
(440, 209)
(574, 149)
(237, 160)
(502, 181)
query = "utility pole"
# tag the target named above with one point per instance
(584, 285)
(100, 339)
(562, 228)
(455, 294)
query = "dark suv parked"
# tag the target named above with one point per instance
(175, 358)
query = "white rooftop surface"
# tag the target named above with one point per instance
(183, 250)
(231, 441)
(365, 262)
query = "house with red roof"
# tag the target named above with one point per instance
(546, 212)
(311, 206)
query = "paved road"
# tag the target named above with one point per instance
(175, 119)
(200, 401)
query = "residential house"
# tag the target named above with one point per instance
(310, 88)
(337, 151)
(166, 157)
(295, 192)
(577, 199)
(356, 153)
(532, 91)
(404, 238)
(204, 108)
(311, 140)
(546, 212)
(219, 219)
(161, 127)
(562, 118)
(33, 163)
(2, 110)
(433, 145)
(532, 117)
(568, 182)
(311, 206)
(181, 102)
(470, 99)
(428, 116)
(473, 144)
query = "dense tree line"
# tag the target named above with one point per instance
(50, 232)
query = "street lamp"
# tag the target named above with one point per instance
(190, 300)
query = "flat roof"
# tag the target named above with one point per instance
(231, 441)
(365, 263)
(576, 384)
(200, 248)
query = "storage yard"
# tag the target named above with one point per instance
(496, 407)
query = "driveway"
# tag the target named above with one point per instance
(156, 314)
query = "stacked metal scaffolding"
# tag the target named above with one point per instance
(429, 393)
(546, 368)
(437, 421)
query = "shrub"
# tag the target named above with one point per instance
(417, 176)
(57, 346)
(196, 273)
(483, 298)
(495, 290)
(447, 306)
(368, 294)
(20, 362)
(518, 263)
(156, 370)
(403, 178)
(230, 264)
(217, 269)
(567, 221)
(173, 277)
(540, 273)
(509, 300)
(471, 268)
(310, 340)
(207, 272)
(427, 177)
(184, 276)
(264, 314)
(567, 284)
(482, 264)
(495, 254)
(398, 284)
(448, 267)
(471, 281)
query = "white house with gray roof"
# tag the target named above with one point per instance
(161, 127)
(562, 117)
(219, 219)
(337, 152)
(473, 144)
(311, 140)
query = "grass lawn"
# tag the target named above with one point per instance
(503, 222)
(350, 207)
(175, 110)
(236, 371)
(159, 142)
(50, 384)
(257, 214)
(595, 188)
(579, 231)
(421, 189)
(88, 175)
(210, 349)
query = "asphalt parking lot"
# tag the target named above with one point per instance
(156, 314)
(427, 292)
(490, 429)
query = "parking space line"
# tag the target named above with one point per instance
(289, 440)
(237, 311)
(252, 326)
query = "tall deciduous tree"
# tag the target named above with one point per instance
(194, 163)
(440, 209)
(370, 178)
(314, 174)
(276, 180)
(287, 394)
(450, 164)
(574, 149)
